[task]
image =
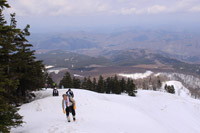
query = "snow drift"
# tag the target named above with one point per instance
(149, 112)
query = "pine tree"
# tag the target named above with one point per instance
(76, 83)
(131, 88)
(108, 85)
(50, 82)
(123, 85)
(20, 72)
(66, 81)
(100, 85)
(7, 49)
(89, 83)
(84, 84)
(8, 112)
(116, 87)
(29, 71)
(171, 89)
(94, 84)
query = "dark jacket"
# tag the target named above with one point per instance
(70, 93)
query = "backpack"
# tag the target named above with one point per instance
(70, 93)
(55, 92)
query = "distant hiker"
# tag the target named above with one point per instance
(70, 93)
(54, 84)
(69, 105)
(55, 92)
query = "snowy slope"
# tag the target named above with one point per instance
(149, 112)
(137, 75)
(56, 70)
(180, 90)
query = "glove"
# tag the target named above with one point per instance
(74, 107)
(63, 111)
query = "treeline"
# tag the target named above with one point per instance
(154, 83)
(20, 73)
(109, 85)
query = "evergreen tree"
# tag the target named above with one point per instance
(116, 87)
(100, 85)
(108, 85)
(123, 85)
(112, 85)
(8, 112)
(131, 88)
(20, 72)
(66, 81)
(170, 89)
(29, 71)
(50, 82)
(76, 83)
(89, 83)
(7, 49)
(84, 84)
(94, 84)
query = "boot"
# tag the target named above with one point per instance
(68, 118)
(74, 118)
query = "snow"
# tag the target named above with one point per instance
(137, 75)
(189, 80)
(48, 67)
(149, 112)
(180, 90)
(56, 70)
(77, 75)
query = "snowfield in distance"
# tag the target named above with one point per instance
(180, 90)
(149, 112)
(137, 75)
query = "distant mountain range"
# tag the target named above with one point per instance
(70, 60)
(181, 45)
(127, 58)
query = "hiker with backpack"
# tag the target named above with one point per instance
(69, 105)
(70, 93)
(55, 92)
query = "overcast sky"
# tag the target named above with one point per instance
(59, 15)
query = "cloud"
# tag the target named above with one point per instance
(195, 9)
(156, 9)
(128, 11)
(103, 7)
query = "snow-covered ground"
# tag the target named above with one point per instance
(189, 80)
(77, 75)
(149, 112)
(180, 90)
(137, 75)
(56, 70)
(48, 67)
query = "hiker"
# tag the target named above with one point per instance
(70, 93)
(54, 84)
(55, 92)
(69, 105)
